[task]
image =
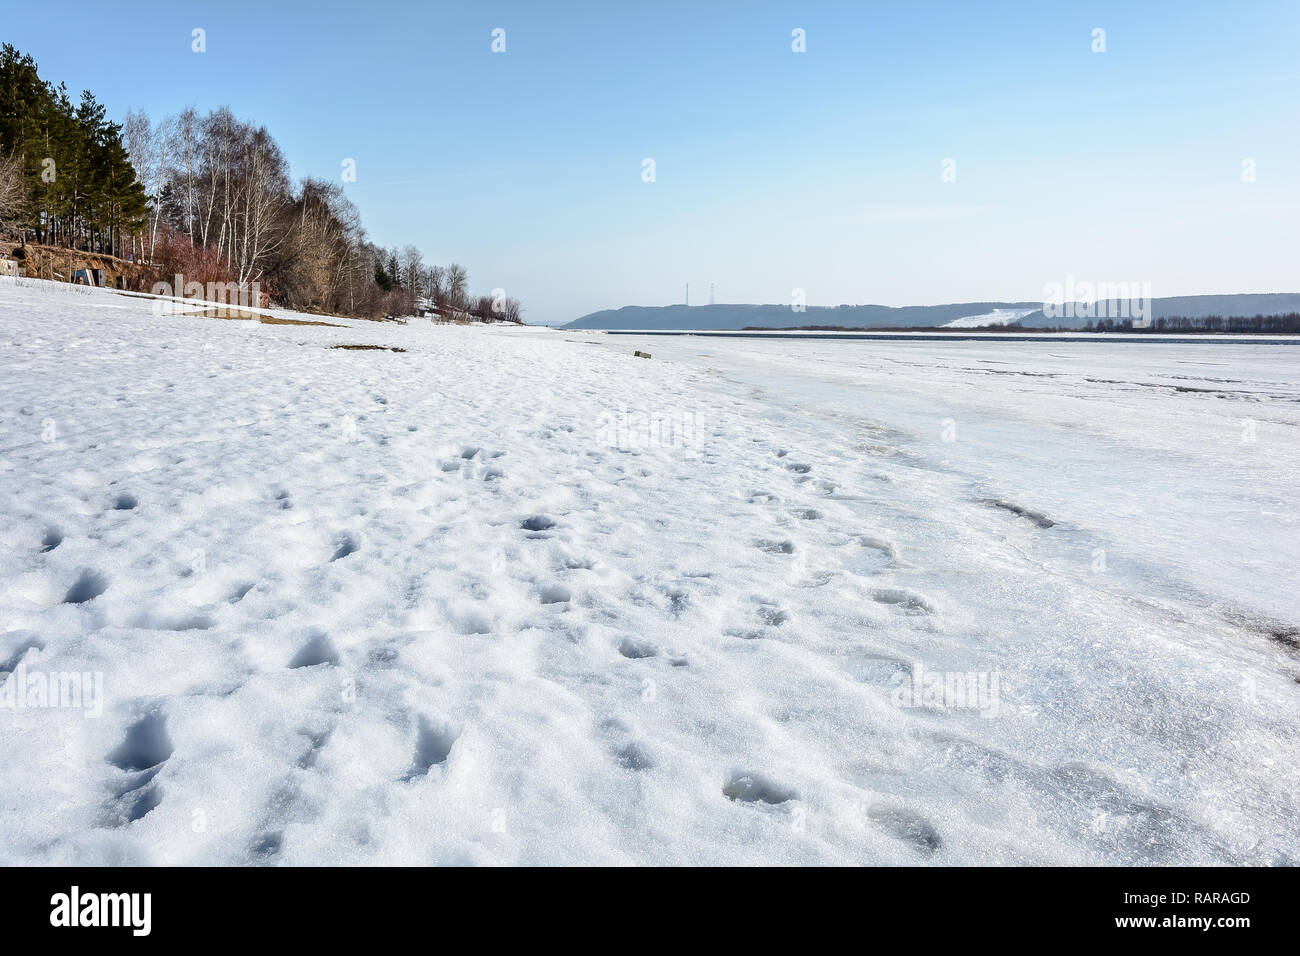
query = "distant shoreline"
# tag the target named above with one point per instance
(970, 335)
(1275, 313)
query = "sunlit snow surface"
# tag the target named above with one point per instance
(517, 596)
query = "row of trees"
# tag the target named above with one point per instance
(442, 289)
(1288, 323)
(209, 197)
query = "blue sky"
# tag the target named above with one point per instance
(775, 170)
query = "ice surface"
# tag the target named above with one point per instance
(516, 596)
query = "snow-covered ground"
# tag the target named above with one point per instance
(518, 596)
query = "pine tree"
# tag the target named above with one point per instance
(83, 189)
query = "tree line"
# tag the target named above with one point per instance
(1277, 324)
(208, 196)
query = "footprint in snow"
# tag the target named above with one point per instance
(537, 523)
(636, 650)
(88, 586)
(318, 650)
(871, 557)
(911, 828)
(145, 745)
(141, 756)
(315, 744)
(903, 599)
(634, 756)
(32, 643)
(554, 594)
(472, 451)
(750, 787)
(51, 539)
(433, 743)
(345, 544)
(267, 844)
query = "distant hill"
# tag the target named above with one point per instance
(911, 316)
(781, 316)
(1196, 307)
